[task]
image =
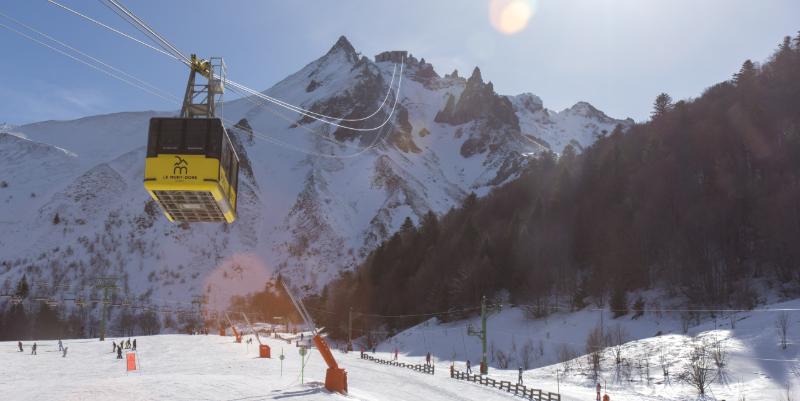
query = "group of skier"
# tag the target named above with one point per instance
(123, 344)
(35, 346)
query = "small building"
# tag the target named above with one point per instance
(395, 56)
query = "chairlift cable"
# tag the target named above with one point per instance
(95, 59)
(83, 62)
(180, 57)
(114, 30)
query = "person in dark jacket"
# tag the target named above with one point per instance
(33, 349)
(119, 352)
(519, 380)
(134, 344)
(428, 359)
(114, 344)
(19, 344)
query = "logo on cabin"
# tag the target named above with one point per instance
(180, 167)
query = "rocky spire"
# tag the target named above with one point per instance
(476, 77)
(344, 45)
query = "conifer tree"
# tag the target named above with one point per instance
(662, 105)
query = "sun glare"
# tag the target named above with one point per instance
(510, 16)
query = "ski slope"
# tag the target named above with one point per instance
(184, 367)
(757, 368)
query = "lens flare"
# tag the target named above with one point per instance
(239, 274)
(510, 16)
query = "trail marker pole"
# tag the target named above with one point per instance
(282, 357)
(302, 362)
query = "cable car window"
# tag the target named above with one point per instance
(215, 135)
(196, 135)
(234, 176)
(224, 159)
(170, 135)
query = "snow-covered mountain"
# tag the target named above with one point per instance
(314, 199)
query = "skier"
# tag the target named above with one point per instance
(119, 352)
(428, 359)
(598, 391)
(395, 354)
(301, 336)
(114, 344)
(64, 355)
(128, 344)
(469, 367)
(19, 344)
(33, 349)
(134, 344)
(519, 380)
(60, 345)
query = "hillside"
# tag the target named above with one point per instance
(313, 200)
(700, 202)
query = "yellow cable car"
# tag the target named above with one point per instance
(191, 169)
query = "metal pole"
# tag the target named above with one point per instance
(484, 365)
(103, 315)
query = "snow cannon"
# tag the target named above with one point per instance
(335, 377)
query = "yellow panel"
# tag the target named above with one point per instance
(189, 173)
(180, 169)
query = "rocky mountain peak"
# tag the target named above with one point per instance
(344, 46)
(476, 77)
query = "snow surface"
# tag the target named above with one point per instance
(757, 369)
(183, 367)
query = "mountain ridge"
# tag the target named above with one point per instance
(316, 199)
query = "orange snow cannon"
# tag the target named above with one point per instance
(335, 377)
(264, 351)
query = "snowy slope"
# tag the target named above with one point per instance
(182, 367)
(314, 201)
(757, 368)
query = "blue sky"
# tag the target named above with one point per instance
(616, 54)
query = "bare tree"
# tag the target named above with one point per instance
(699, 372)
(501, 358)
(594, 350)
(720, 355)
(686, 319)
(566, 355)
(526, 355)
(646, 365)
(782, 324)
(618, 338)
(665, 365)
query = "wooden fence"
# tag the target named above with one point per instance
(513, 388)
(422, 368)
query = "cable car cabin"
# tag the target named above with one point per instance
(191, 169)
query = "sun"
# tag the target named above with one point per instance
(510, 16)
